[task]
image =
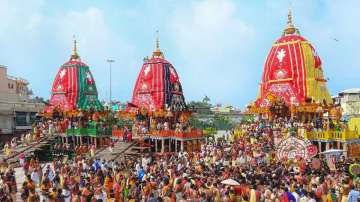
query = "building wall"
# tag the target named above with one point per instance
(350, 104)
(3, 79)
(6, 124)
(8, 85)
(12, 113)
(15, 104)
(11, 88)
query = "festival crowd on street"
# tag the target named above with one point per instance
(249, 159)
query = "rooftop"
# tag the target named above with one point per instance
(351, 91)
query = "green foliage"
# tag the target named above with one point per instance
(209, 131)
(216, 122)
(198, 104)
(221, 122)
(209, 120)
(200, 107)
(197, 123)
(121, 123)
(206, 99)
(247, 119)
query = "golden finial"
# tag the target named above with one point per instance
(74, 55)
(74, 48)
(157, 52)
(290, 28)
(289, 17)
(157, 40)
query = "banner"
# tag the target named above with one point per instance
(295, 148)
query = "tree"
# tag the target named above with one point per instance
(218, 122)
(247, 119)
(197, 123)
(197, 104)
(200, 107)
(222, 122)
(206, 99)
(121, 123)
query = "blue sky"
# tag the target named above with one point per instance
(217, 46)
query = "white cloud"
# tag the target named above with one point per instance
(217, 46)
(334, 34)
(20, 25)
(89, 28)
(14, 15)
(211, 38)
(38, 38)
(210, 27)
(96, 43)
(34, 22)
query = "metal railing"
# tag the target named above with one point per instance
(93, 132)
(331, 135)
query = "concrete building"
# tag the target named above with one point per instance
(219, 109)
(207, 114)
(350, 102)
(17, 108)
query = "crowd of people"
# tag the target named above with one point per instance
(144, 123)
(293, 125)
(40, 129)
(187, 177)
(7, 182)
(248, 160)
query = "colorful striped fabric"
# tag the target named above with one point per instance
(158, 87)
(74, 88)
(292, 71)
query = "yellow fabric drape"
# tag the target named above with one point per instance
(315, 86)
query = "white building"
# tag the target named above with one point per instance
(219, 108)
(17, 109)
(350, 102)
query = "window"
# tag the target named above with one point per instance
(32, 117)
(20, 119)
(10, 85)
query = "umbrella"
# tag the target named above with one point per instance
(333, 151)
(230, 182)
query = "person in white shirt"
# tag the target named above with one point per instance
(66, 194)
(303, 199)
(35, 177)
(296, 195)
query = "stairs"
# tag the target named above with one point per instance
(137, 149)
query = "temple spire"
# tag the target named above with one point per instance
(289, 22)
(74, 48)
(290, 28)
(157, 40)
(74, 55)
(157, 52)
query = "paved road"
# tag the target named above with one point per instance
(119, 148)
